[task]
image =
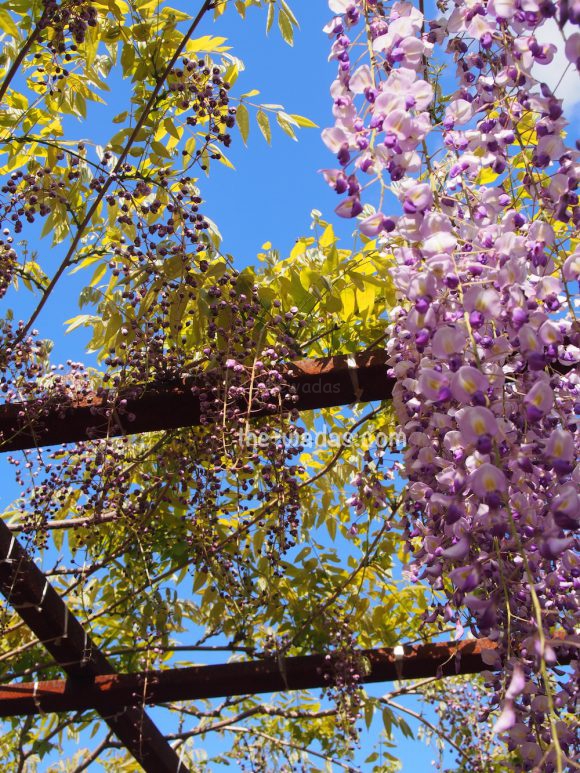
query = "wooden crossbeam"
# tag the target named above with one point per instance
(28, 591)
(305, 672)
(319, 383)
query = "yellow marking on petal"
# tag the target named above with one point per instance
(489, 483)
(479, 426)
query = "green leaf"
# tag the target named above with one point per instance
(160, 149)
(331, 526)
(172, 129)
(172, 14)
(369, 714)
(404, 727)
(99, 274)
(82, 320)
(141, 32)
(127, 59)
(388, 722)
(231, 74)
(264, 124)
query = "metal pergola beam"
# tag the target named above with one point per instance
(319, 383)
(305, 672)
(29, 592)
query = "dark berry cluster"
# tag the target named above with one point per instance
(200, 87)
(69, 18)
(7, 262)
(28, 194)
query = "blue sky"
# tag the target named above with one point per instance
(275, 188)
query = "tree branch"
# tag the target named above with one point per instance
(296, 746)
(430, 725)
(10, 75)
(93, 756)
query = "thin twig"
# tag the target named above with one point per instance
(93, 756)
(430, 725)
(296, 746)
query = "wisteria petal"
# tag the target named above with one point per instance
(488, 479)
(477, 422)
(448, 341)
(465, 578)
(484, 338)
(361, 79)
(432, 383)
(506, 719)
(350, 207)
(539, 400)
(517, 684)
(467, 382)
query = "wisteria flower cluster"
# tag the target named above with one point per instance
(485, 344)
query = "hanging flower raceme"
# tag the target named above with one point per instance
(484, 345)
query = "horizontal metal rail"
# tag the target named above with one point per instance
(319, 383)
(29, 592)
(109, 692)
(304, 672)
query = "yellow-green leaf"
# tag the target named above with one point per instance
(243, 121)
(264, 124)
(207, 43)
(7, 24)
(270, 18)
(486, 176)
(99, 274)
(289, 12)
(285, 25)
(285, 126)
(160, 149)
(305, 123)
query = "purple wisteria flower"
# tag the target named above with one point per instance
(485, 343)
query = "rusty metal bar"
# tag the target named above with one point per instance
(320, 383)
(28, 591)
(111, 691)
